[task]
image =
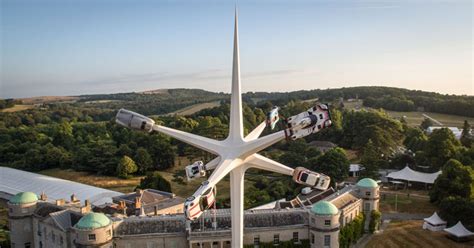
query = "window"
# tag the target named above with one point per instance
(276, 239)
(327, 240)
(11, 210)
(312, 238)
(256, 240)
(313, 221)
(295, 237)
(366, 206)
(327, 222)
(53, 237)
(367, 193)
(91, 236)
(109, 233)
(28, 245)
(61, 241)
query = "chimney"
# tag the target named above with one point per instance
(155, 210)
(43, 196)
(74, 198)
(138, 206)
(60, 202)
(86, 208)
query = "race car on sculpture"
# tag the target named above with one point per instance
(306, 123)
(195, 170)
(134, 120)
(273, 117)
(304, 176)
(204, 198)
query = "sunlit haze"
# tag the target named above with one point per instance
(88, 47)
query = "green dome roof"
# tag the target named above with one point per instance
(324, 208)
(93, 221)
(367, 183)
(24, 197)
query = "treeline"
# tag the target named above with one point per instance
(389, 98)
(151, 104)
(8, 103)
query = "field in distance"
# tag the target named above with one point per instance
(415, 118)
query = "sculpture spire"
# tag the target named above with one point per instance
(236, 130)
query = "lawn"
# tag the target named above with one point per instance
(418, 204)
(410, 234)
(106, 182)
(194, 108)
(18, 107)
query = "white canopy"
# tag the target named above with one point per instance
(414, 176)
(355, 167)
(435, 220)
(13, 181)
(459, 230)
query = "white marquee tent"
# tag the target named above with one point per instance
(459, 231)
(410, 175)
(13, 181)
(434, 223)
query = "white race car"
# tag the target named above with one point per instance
(306, 123)
(195, 170)
(204, 198)
(134, 120)
(304, 176)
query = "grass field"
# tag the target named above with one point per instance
(415, 203)
(18, 107)
(194, 108)
(106, 182)
(179, 187)
(410, 234)
(415, 118)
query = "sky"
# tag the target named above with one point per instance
(74, 47)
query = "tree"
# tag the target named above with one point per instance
(124, 150)
(154, 180)
(454, 209)
(143, 160)
(125, 167)
(333, 163)
(466, 137)
(455, 180)
(426, 123)
(441, 146)
(415, 139)
(370, 160)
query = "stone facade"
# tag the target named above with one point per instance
(55, 224)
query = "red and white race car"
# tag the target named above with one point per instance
(306, 123)
(204, 198)
(304, 176)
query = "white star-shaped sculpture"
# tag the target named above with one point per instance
(236, 153)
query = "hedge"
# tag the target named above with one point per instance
(375, 217)
(352, 232)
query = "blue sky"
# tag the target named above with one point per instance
(67, 47)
